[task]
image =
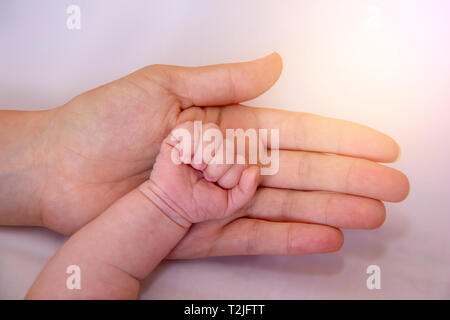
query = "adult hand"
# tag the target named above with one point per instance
(103, 143)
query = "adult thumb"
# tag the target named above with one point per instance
(216, 85)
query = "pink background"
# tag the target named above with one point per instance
(393, 75)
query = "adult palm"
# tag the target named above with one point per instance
(103, 143)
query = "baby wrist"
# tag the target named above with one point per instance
(163, 203)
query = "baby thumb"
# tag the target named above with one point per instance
(244, 190)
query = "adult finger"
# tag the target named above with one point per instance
(315, 171)
(307, 132)
(333, 209)
(252, 236)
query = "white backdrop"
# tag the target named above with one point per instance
(393, 75)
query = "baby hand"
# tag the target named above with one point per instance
(191, 181)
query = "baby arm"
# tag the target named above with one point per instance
(114, 252)
(127, 241)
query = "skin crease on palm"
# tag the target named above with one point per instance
(103, 143)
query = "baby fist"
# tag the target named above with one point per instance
(197, 176)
